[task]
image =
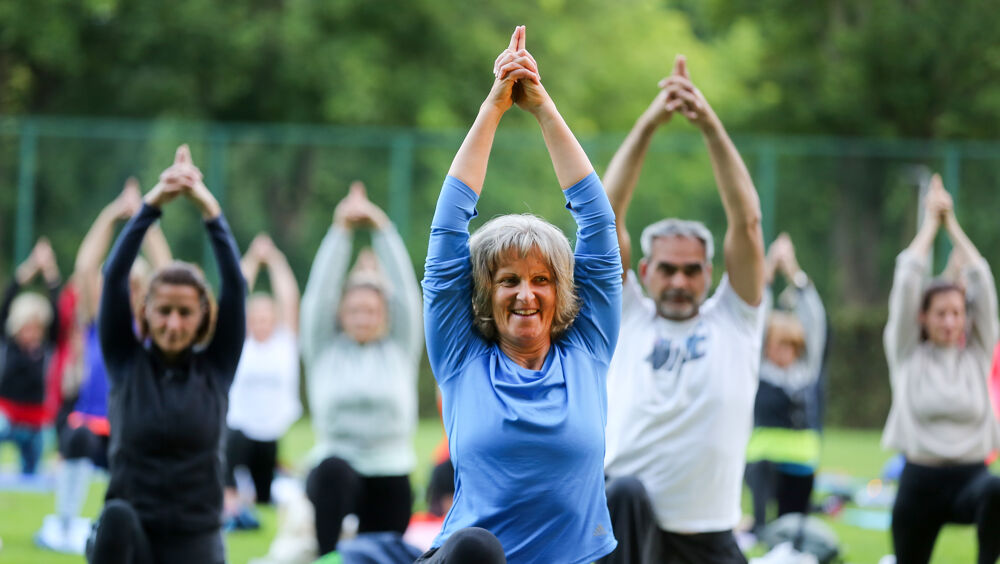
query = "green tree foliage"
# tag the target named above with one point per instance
(920, 68)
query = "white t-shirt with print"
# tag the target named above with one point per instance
(264, 398)
(680, 406)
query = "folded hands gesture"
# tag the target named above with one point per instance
(517, 79)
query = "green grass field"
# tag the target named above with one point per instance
(851, 452)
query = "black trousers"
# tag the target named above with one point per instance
(258, 457)
(470, 545)
(81, 442)
(641, 541)
(767, 482)
(930, 496)
(335, 489)
(119, 538)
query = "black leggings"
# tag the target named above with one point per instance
(640, 539)
(119, 538)
(81, 442)
(259, 458)
(767, 482)
(931, 496)
(335, 489)
(470, 545)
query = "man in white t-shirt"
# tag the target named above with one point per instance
(682, 382)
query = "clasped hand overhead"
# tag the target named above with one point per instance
(678, 94)
(517, 78)
(183, 178)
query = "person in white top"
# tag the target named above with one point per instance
(264, 398)
(682, 382)
(939, 342)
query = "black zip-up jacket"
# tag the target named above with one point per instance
(167, 418)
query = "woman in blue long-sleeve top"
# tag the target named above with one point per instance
(520, 330)
(168, 390)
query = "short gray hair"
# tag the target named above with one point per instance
(673, 227)
(26, 307)
(492, 244)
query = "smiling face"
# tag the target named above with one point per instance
(174, 313)
(676, 276)
(524, 301)
(944, 319)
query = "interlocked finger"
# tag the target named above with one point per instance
(520, 62)
(496, 64)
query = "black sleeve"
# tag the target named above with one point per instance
(114, 313)
(8, 296)
(55, 327)
(230, 328)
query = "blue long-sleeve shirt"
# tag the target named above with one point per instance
(167, 418)
(527, 445)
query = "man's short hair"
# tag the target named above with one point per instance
(673, 227)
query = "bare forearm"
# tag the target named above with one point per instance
(286, 289)
(250, 265)
(156, 248)
(470, 161)
(623, 171)
(959, 240)
(921, 244)
(96, 242)
(744, 242)
(568, 158)
(739, 196)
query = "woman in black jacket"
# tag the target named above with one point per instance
(168, 390)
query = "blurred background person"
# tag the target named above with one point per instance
(83, 439)
(939, 341)
(682, 382)
(361, 343)
(264, 399)
(27, 343)
(784, 447)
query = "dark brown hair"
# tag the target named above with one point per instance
(936, 288)
(180, 273)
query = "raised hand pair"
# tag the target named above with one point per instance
(183, 178)
(679, 94)
(356, 210)
(517, 78)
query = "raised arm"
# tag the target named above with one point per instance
(568, 158)
(156, 248)
(230, 325)
(114, 319)
(283, 285)
(902, 329)
(404, 294)
(980, 287)
(623, 171)
(93, 248)
(744, 244)
(598, 270)
(318, 319)
(469, 164)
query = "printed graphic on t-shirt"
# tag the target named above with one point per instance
(670, 356)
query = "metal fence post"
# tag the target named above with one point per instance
(215, 177)
(401, 181)
(951, 176)
(767, 179)
(25, 222)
